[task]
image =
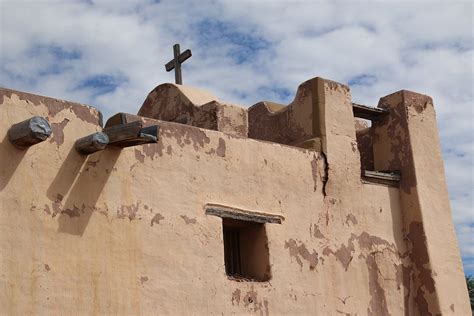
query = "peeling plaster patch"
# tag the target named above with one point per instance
(317, 232)
(47, 268)
(354, 146)
(93, 164)
(85, 114)
(139, 156)
(156, 219)
(105, 213)
(224, 121)
(128, 211)
(333, 85)
(241, 130)
(32, 208)
(151, 149)
(265, 303)
(58, 132)
(400, 275)
(236, 296)
(367, 242)
(301, 251)
(57, 205)
(188, 220)
(143, 279)
(352, 219)
(169, 150)
(403, 277)
(250, 298)
(74, 211)
(54, 106)
(422, 303)
(220, 150)
(325, 176)
(420, 107)
(46, 209)
(186, 135)
(378, 302)
(343, 254)
(419, 257)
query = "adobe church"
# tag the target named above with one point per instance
(196, 206)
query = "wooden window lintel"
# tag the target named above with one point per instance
(243, 215)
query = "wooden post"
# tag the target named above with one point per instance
(177, 65)
(92, 143)
(29, 132)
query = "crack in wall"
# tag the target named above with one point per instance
(325, 176)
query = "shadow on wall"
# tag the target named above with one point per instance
(10, 159)
(66, 175)
(87, 176)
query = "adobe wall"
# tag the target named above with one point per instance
(124, 231)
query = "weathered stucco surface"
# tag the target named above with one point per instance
(124, 231)
(191, 106)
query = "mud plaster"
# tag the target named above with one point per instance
(300, 252)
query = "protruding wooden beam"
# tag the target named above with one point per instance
(367, 112)
(29, 132)
(131, 134)
(383, 177)
(121, 132)
(91, 143)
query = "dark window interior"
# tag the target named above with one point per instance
(246, 250)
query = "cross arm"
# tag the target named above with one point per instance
(181, 58)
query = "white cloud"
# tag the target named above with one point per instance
(424, 46)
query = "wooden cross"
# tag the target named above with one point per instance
(176, 63)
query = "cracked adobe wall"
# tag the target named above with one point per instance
(125, 231)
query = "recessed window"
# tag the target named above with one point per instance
(246, 250)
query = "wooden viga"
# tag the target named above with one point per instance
(29, 132)
(118, 133)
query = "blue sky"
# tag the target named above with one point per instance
(110, 54)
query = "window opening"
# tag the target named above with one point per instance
(246, 252)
